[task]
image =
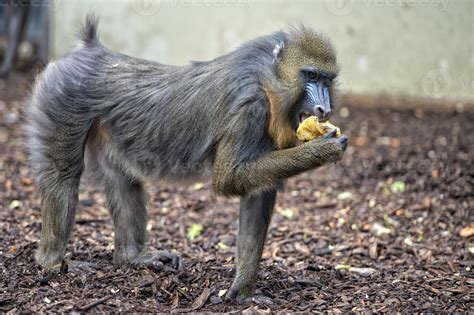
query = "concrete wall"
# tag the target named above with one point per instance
(412, 47)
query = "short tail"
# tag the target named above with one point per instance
(88, 33)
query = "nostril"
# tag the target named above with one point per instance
(319, 111)
(322, 112)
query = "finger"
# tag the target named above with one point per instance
(343, 141)
(165, 257)
(330, 134)
(156, 265)
(177, 262)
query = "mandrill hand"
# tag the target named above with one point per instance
(333, 134)
(328, 148)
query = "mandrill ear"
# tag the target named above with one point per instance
(277, 51)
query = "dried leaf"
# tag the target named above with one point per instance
(395, 142)
(26, 181)
(344, 195)
(467, 231)
(383, 141)
(389, 222)
(15, 204)
(426, 202)
(194, 231)
(397, 187)
(8, 185)
(365, 272)
(3, 135)
(305, 237)
(201, 300)
(408, 241)
(378, 229)
(223, 246)
(360, 141)
(197, 186)
(287, 213)
(425, 254)
(372, 203)
(373, 253)
(302, 248)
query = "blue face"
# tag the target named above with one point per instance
(316, 100)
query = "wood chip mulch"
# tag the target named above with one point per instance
(388, 229)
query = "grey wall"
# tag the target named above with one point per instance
(412, 47)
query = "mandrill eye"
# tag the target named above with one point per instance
(313, 75)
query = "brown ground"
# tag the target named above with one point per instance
(336, 215)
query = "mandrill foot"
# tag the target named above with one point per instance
(257, 298)
(72, 266)
(78, 266)
(245, 294)
(159, 260)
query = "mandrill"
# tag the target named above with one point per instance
(126, 119)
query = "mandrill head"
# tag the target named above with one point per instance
(306, 68)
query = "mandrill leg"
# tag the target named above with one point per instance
(126, 202)
(58, 203)
(255, 214)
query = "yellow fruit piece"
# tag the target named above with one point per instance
(311, 128)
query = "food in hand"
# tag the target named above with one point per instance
(311, 128)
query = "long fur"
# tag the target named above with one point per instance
(126, 118)
(161, 119)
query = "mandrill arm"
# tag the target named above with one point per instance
(239, 168)
(245, 165)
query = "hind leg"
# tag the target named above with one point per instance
(126, 200)
(126, 203)
(59, 197)
(57, 153)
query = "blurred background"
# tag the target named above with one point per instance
(400, 47)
